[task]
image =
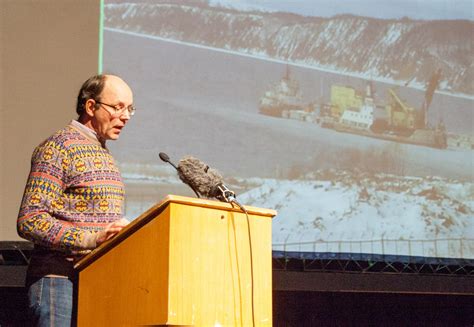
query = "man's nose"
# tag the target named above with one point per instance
(125, 115)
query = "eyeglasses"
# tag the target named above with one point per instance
(118, 110)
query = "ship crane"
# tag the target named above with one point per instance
(401, 123)
(430, 90)
(402, 116)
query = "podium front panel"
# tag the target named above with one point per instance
(184, 263)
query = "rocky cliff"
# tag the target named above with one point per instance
(405, 51)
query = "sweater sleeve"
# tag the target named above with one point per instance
(43, 193)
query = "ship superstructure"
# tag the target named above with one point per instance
(284, 96)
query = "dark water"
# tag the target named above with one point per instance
(201, 102)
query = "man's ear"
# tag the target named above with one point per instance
(89, 107)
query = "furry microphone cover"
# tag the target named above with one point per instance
(199, 176)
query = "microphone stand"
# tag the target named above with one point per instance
(228, 196)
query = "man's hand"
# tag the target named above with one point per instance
(111, 230)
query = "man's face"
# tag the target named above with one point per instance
(106, 121)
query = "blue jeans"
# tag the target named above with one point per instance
(50, 302)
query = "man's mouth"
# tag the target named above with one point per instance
(118, 129)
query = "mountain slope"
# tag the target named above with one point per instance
(406, 51)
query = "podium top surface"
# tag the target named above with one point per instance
(152, 212)
(206, 203)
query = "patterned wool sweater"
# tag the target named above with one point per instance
(74, 189)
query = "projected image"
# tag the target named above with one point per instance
(357, 128)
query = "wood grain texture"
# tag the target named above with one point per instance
(189, 264)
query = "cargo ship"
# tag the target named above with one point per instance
(354, 111)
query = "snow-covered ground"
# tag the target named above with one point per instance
(331, 211)
(341, 211)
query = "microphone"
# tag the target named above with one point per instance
(166, 158)
(163, 156)
(199, 176)
(207, 181)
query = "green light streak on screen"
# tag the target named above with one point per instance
(101, 36)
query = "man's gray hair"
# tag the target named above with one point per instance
(91, 89)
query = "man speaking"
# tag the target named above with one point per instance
(74, 196)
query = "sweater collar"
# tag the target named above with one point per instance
(89, 133)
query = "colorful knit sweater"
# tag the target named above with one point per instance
(74, 190)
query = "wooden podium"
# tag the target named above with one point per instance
(184, 262)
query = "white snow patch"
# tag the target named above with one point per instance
(408, 216)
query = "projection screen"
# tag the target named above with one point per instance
(356, 127)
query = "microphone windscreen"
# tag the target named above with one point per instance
(199, 176)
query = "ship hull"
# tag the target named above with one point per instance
(423, 137)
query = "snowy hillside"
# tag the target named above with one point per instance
(405, 51)
(334, 211)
